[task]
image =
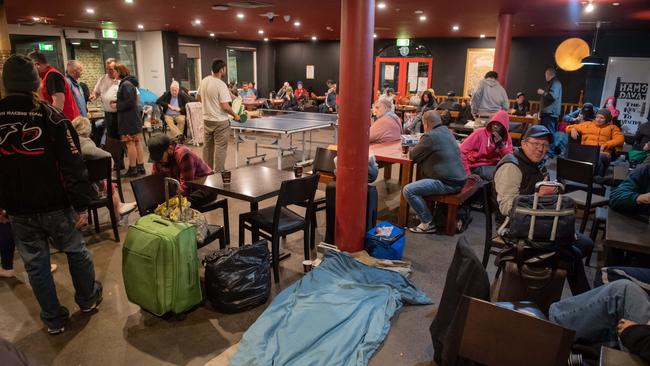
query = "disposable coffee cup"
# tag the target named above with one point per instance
(405, 149)
(307, 265)
(297, 171)
(225, 176)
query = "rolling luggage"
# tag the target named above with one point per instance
(160, 266)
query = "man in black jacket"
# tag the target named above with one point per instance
(45, 191)
(173, 103)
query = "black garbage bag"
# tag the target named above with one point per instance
(237, 279)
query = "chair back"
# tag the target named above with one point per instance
(576, 171)
(586, 153)
(491, 335)
(149, 192)
(99, 170)
(116, 149)
(324, 160)
(300, 191)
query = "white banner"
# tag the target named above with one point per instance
(628, 79)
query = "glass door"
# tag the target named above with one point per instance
(405, 75)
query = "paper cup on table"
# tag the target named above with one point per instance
(225, 176)
(297, 171)
(307, 266)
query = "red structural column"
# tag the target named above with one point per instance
(502, 49)
(357, 27)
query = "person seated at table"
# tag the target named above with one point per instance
(489, 96)
(247, 93)
(427, 103)
(172, 103)
(179, 162)
(641, 144)
(283, 90)
(517, 174)
(90, 151)
(586, 113)
(388, 126)
(415, 99)
(438, 157)
(633, 195)
(289, 102)
(329, 106)
(619, 310)
(301, 93)
(465, 112)
(486, 146)
(451, 103)
(522, 106)
(599, 132)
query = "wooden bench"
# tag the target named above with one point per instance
(453, 201)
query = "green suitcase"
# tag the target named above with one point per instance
(160, 266)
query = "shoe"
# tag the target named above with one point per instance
(132, 172)
(124, 220)
(55, 331)
(7, 273)
(127, 208)
(94, 306)
(53, 267)
(423, 229)
(140, 169)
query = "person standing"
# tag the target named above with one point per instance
(74, 69)
(106, 89)
(489, 97)
(173, 104)
(551, 104)
(129, 124)
(215, 98)
(45, 192)
(54, 89)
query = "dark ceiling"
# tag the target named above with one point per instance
(322, 18)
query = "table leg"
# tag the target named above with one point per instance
(452, 217)
(303, 147)
(236, 148)
(388, 171)
(407, 172)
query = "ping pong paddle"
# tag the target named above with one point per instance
(239, 109)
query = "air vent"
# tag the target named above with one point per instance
(249, 4)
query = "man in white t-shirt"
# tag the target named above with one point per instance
(215, 98)
(106, 90)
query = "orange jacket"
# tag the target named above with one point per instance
(607, 135)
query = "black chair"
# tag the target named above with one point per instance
(324, 165)
(116, 149)
(98, 171)
(272, 223)
(493, 243)
(589, 154)
(149, 192)
(581, 172)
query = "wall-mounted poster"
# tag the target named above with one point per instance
(310, 72)
(479, 62)
(627, 79)
(389, 72)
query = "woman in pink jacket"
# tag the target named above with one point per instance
(483, 149)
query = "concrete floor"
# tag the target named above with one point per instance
(120, 333)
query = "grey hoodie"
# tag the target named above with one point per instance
(489, 97)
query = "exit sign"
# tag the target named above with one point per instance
(109, 33)
(403, 42)
(45, 47)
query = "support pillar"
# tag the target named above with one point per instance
(502, 48)
(357, 27)
(5, 44)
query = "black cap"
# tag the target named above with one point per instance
(158, 144)
(20, 75)
(520, 94)
(538, 131)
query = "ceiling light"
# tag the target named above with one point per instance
(113, 42)
(297, 24)
(482, 36)
(197, 21)
(313, 38)
(616, 4)
(90, 10)
(418, 12)
(381, 6)
(128, 1)
(75, 42)
(261, 31)
(374, 35)
(590, 7)
(532, 24)
(266, 39)
(211, 34)
(455, 28)
(423, 18)
(36, 19)
(240, 15)
(140, 26)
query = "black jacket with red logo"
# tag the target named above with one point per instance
(41, 168)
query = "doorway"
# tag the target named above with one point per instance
(405, 75)
(190, 63)
(242, 65)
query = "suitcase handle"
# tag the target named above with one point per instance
(171, 181)
(554, 184)
(560, 189)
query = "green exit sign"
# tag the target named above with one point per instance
(45, 47)
(403, 42)
(109, 33)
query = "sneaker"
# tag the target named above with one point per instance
(53, 267)
(423, 228)
(94, 306)
(140, 169)
(55, 331)
(132, 172)
(124, 220)
(127, 208)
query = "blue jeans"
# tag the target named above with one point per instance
(414, 193)
(549, 122)
(33, 234)
(593, 315)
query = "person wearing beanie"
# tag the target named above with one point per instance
(438, 157)
(599, 132)
(44, 192)
(54, 89)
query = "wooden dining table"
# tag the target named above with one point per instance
(392, 153)
(628, 233)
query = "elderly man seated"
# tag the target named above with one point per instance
(172, 104)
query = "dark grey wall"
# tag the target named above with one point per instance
(170, 52)
(292, 59)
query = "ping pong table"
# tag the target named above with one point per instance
(275, 129)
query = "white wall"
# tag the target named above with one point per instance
(150, 59)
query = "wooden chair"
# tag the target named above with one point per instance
(453, 201)
(496, 336)
(98, 171)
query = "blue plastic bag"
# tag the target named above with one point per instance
(385, 247)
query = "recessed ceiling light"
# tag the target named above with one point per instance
(455, 28)
(374, 35)
(240, 15)
(90, 10)
(590, 7)
(128, 1)
(418, 12)
(211, 34)
(266, 39)
(313, 38)
(261, 31)
(423, 18)
(297, 24)
(140, 26)
(197, 21)
(532, 24)
(482, 36)
(76, 43)
(113, 42)
(616, 4)
(36, 19)
(381, 6)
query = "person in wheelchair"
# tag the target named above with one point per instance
(517, 174)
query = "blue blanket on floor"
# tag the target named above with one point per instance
(337, 314)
